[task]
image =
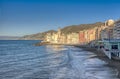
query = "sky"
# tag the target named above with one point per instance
(24, 17)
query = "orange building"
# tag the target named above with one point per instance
(87, 36)
(82, 38)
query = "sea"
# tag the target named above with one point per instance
(20, 59)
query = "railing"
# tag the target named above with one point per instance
(107, 53)
(110, 53)
(115, 52)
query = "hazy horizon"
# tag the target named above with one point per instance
(24, 17)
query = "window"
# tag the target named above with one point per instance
(114, 46)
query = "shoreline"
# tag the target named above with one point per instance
(112, 63)
(48, 43)
(99, 54)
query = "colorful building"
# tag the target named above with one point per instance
(82, 37)
(106, 31)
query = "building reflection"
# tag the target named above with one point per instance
(55, 47)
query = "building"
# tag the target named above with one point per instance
(87, 36)
(107, 32)
(63, 38)
(83, 37)
(54, 38)
(104, 34)
(75, 38)
(48, 37)
(69, 38)
(112, 48)
(92, 35)
(98, 32)
(116, 30)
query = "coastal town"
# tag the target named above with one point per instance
(59, 39)
(105, 37)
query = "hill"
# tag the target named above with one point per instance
(38, 36)
(66, 30)
(77, 28)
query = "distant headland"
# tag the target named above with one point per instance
(9, 37)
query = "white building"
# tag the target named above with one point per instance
(116, 30)
(104, 34)
(107, 32)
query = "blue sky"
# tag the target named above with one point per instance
(23, 17)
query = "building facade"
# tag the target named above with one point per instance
(116, 30)
(48, 37)
(107, 32)
(82, 37)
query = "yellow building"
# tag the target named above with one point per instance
(75, 38)
(48, 37)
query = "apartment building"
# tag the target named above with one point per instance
(116, 30)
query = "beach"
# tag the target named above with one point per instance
(102, 56)
(99, 54)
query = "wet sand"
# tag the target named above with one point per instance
(102, 56)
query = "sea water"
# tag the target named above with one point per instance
(20, 59)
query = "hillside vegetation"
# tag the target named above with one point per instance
(77, 28)
(66, 30)
(38, 36)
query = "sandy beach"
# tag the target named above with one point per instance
(102, 56)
